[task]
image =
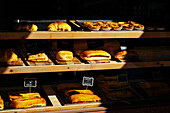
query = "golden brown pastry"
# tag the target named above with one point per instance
(82, 98)
(121, 55)
(105, 27)
(26, 100)
(59, 26)
(71, 92)
(94, 26)
(95, 55)
(1, 103)
(38, 57)
(25, 27)
(23, 95)
(7, 55)
(64, 55)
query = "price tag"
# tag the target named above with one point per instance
(123, 48)
(30, 82)
(88, 81)
(122, 78)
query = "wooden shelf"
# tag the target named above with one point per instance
(81, 67)
(82, 35)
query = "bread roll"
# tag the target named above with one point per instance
(64, 56)
(95, 55)
(59, 26)
(1, 103)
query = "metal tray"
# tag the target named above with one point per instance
(4, 92)
(42, 24)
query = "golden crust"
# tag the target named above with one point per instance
(82, 98)
(95, 55)
(64, 55)
(1, 103)
(59, 26)
(26, 100)
(38, 57)
(89, 92)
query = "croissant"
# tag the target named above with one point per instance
(59, 26)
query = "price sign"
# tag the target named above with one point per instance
(30, 82)
(122, 78)
(88, 81)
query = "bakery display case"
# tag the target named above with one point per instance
(126, 55)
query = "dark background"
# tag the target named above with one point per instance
(140, 10)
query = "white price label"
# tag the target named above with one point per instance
(88, 81)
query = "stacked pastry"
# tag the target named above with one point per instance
(1, 103)
(82, 96)
(76, 93)
(26, 100)
(100, 25)
(39, 58)
(114, 89)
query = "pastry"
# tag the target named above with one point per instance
(25, 27)
(121, 55)
(71, 92)
(83, 98)
(38, 57)
(59, 26)
(64, 56)
(95, 27)
(26, 100)
(95, 55)
(1, 103)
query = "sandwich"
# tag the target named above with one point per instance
(95, 55)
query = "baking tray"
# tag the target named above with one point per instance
(4, 92)
(64, 99)
(81, 23)
(41, 24)
(25, 49)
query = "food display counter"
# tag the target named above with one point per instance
(126, 63)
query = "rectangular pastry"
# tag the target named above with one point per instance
(1, 103)
(83, 98)
(26, 100)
